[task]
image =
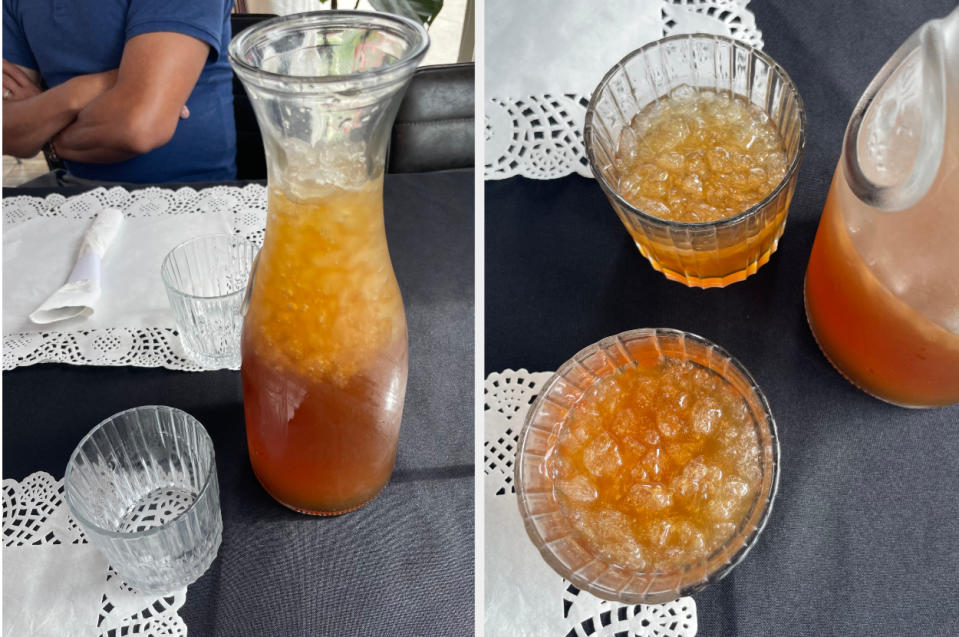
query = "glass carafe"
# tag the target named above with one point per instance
(882, 286)
(324, 342)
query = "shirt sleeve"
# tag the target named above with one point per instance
(202, 19)
(15, 46)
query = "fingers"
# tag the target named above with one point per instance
(184, 112)
(16, 75)
(17, 85)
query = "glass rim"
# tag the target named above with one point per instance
(171, 287)
(87, 524)
(669, 223)
(419, 38)
(738, 545)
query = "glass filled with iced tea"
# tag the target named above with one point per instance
(647, 466)
(324, 342)
(696, 141)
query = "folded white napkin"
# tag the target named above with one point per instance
(77, 296)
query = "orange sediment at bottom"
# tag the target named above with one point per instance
(324, 447)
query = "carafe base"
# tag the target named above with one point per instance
(324, 514)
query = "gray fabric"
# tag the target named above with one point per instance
(863, 538)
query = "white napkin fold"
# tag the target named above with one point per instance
(82, 289)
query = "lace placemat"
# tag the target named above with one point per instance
(245, 208)
(36, 517)
(541, 136)
(523, 596)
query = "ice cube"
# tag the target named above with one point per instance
(692, 185)
(601, 456)
(722, 531)
(673, 133)
(659, 532)
(756, 178)
(718, 159)
(612, 527)
(652, 207)
(654, 462)
(624, 423)
(707, 413)
(669, 423)
(634, 558)
(720, 509)
(684, 93)
(690, 540)
(650, 496)
(672, 160)
(630, 186)
(687, 482)
(701, 211)
(736, 488)
(579, 489)
(630, 445)
(559, 466)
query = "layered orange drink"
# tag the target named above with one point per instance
(702, 157)
(696, 140)
(324, 351)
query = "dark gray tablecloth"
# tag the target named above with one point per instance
(864, 535)
(402, 565)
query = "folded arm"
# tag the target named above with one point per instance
(31, 116)
(140, 111)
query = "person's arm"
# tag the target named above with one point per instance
(31, 116)
(140, 112)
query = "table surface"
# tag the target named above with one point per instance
(864, 534)
(403, 564)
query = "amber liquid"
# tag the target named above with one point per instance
(657, 466)
(869, 334)
(324, 352)
(698, 156)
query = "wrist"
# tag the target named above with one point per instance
(77, 93)
(51, 155)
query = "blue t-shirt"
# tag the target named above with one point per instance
(65, 38)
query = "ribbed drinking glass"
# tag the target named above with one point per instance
(711, 253)
(143, 486)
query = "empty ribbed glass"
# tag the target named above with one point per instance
(712, 253)
(143, 486)
(552, 532)
(205, 280)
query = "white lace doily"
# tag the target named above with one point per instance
(35, 515)
(140, 347)
(507, 397)
(541, 136)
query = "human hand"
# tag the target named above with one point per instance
(17, 85)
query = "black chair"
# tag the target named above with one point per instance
(434, 128)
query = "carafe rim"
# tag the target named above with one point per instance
(398, 70)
